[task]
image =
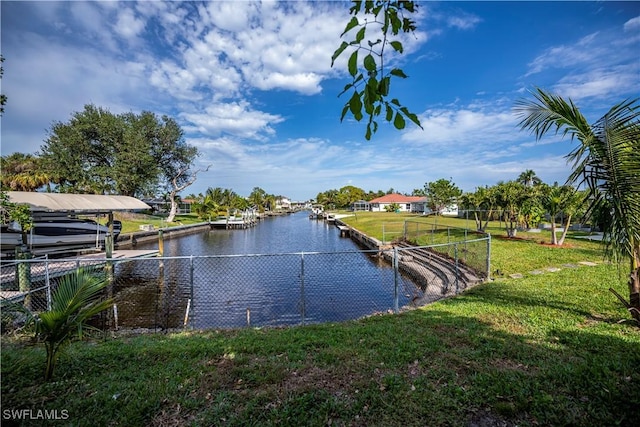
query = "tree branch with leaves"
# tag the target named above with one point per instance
(371, 76)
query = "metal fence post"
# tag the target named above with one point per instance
(108, 244)
(302, 297)
(190, 302)
(488, 256)
(396, 273)
(47, 280)
(23, 273)
(455, 253)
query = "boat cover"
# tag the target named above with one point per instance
(86, 203)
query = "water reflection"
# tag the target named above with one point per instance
(305, 273)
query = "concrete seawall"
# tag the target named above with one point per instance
(364, 240)
(130, 240)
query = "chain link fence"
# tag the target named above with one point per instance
(232, 291)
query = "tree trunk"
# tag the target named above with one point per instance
(554, 239)
(564, 232)
(489, 214)
(174, 207)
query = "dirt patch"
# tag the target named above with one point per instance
(483, 418)
(534, 240)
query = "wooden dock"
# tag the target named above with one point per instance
(344, 230)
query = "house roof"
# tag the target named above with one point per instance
(64, 202)
(398, 198)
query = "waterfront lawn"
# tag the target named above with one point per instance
(541, 350)
(524, 254)
(131, 222)
(546, 349)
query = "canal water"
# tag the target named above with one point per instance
(286, 270)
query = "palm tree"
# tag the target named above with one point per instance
(76, 300)
(607, 160)
(510, 196)
(528, 178)
(23, 172)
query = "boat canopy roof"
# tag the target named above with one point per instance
(80, 203)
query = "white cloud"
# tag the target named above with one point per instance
(236, 118)
(601, 83)
(586, 50)
(463, 126)
(632, 24)
(463, 22)
(127, 25)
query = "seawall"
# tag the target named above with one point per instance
(130, 240)
(362, 239)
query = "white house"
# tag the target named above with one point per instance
(405, 203)
(283, 203)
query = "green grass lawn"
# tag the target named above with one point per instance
(545, 349)
(132, 222)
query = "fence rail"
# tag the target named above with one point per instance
(230, 291)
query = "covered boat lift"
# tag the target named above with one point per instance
(44, 205)
(76, 203)
(47, 205)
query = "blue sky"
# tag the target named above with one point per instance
(251, 85)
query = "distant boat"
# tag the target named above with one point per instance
(317, 211)
(58, 232)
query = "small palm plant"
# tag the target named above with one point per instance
(607, 160)
(76, 300)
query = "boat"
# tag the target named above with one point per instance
(58, 233)
(316, 212)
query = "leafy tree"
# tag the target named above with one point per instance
(473, 201)
(22, 172)
(14, 212)
(368, 61)
(328, 198)
(393, 207)
(270, 202)
(205, 207)
(530, 210)
(239, 203)
(76, 299)
(488, 202)
(509, 196)
(607, 161)
(258, 198)
(129, 154)
(563, 200)
(5, 208)
(223, 199)
(174, 158)
(529, 178)
(441, 193)
(348, 195)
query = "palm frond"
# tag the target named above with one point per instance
(549, 111)
(607, 160)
